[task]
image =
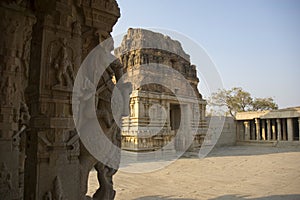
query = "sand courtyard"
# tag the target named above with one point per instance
(227, 173)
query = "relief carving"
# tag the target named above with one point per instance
(27, 36)
(57, 191)
(64, 66)
(8, 91)
(5, 181)
(76, 28)
(62, 63)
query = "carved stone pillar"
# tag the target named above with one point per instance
(66, 31)
(16, 27)
(279, 136)
(257, 123)
(247, 130)
(52, 165)
(290, 129)
(269, 129)
(98, 19)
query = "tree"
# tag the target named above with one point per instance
(238, 100)
(264, 104)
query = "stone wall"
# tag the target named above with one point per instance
(228, 133)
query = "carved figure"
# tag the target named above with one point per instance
(24, 114)
(64, 66)
(5, 178)
(104, 175)
(48, 196)
(26, 50)
(77, 28)
(57, 190)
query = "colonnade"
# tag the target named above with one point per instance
(279, 129)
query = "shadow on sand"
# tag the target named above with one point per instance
(226, 197)
(273, 197)
(242, 151)
(161, 198)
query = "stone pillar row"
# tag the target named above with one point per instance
(275, 128)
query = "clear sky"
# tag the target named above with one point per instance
(255, 44)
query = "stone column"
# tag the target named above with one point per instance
(15, 42)
(57, 166)
(284, 129)
(247, 130)
(290, 129)
(257, 123)
(269, 129)
(273, 129)
(263, 130)
(279, 137)
(253, 132)
(53, 145)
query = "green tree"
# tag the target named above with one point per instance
(264, 104)
(238, 100)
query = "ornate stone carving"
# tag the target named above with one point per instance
(27, 36)
(63, 64)
(57, 191)
(16, 22)
(104, 175)
(104, 114)
(5, 182)
(47, 59)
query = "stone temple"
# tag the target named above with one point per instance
(164, 98)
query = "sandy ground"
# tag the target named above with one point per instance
(228, 173)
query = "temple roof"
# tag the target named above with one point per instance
(269, 114)
(145, 39)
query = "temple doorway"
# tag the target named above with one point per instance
(175, 116)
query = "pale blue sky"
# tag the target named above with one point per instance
(255, 44)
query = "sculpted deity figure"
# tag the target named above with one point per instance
(64, 66)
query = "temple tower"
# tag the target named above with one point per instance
(156, 114)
